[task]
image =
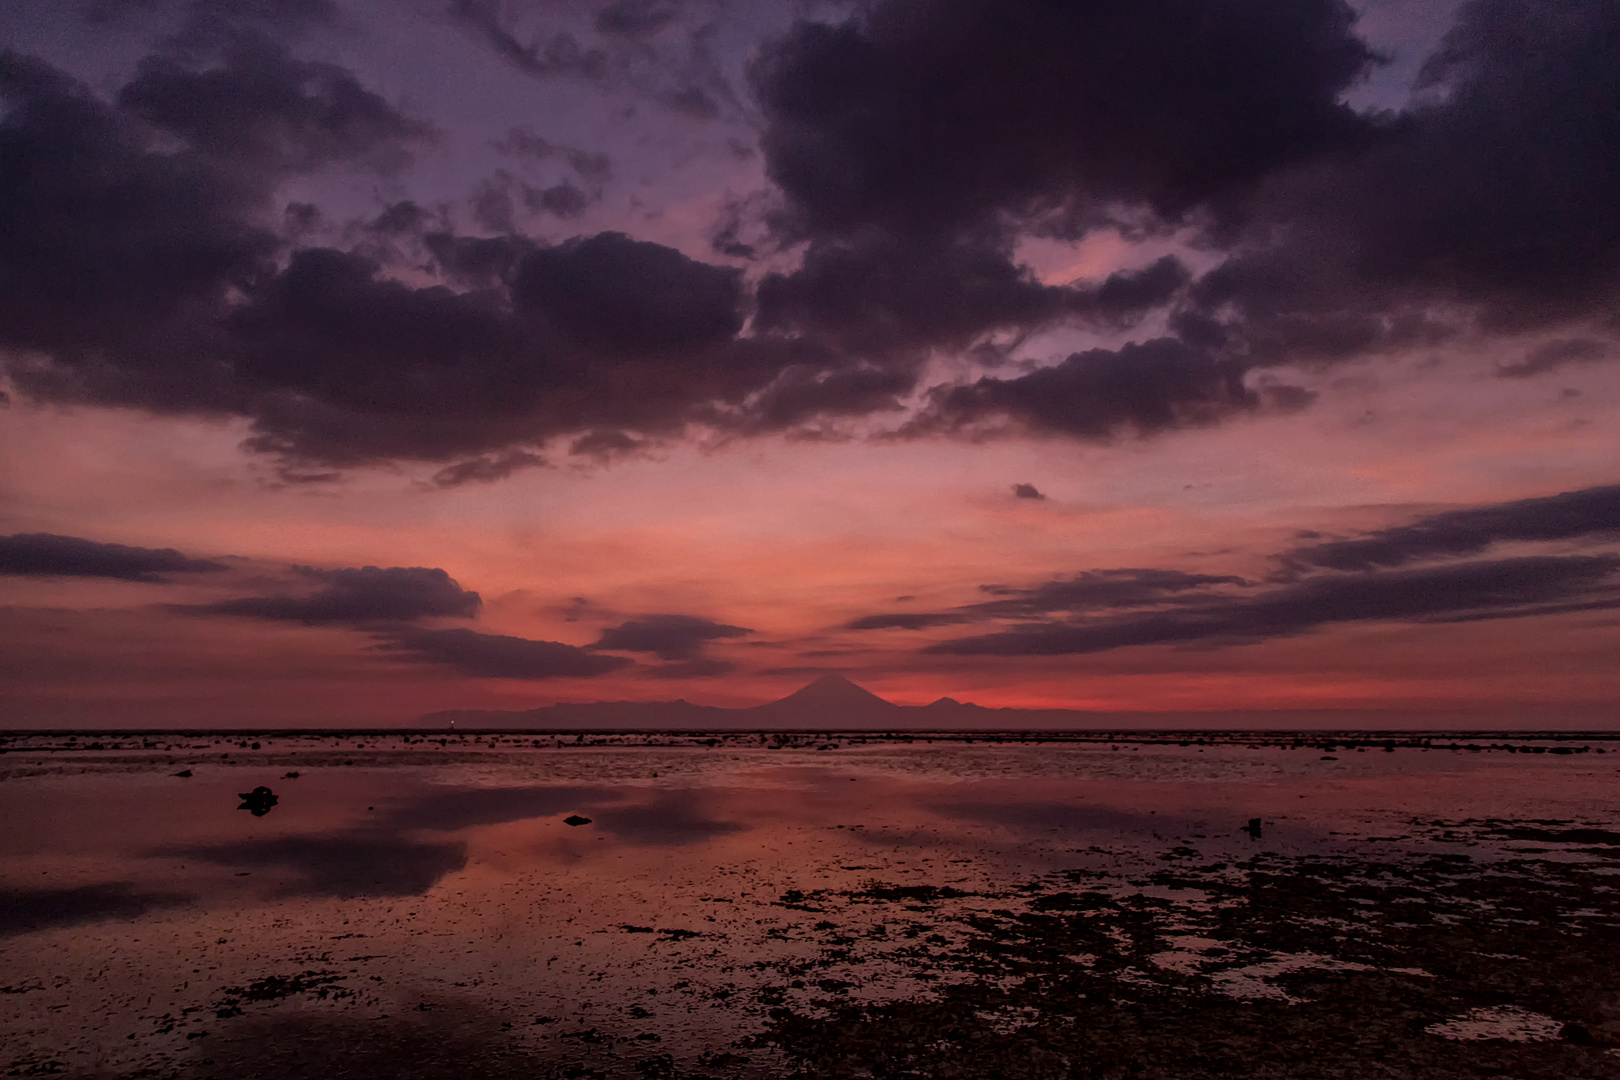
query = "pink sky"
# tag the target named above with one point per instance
(771, 537)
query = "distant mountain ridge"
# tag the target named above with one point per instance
(831, 701)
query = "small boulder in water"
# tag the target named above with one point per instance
(259, 801)
(575, 819)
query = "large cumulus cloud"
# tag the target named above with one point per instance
(149, 257)
(928, 116)
(1488, 203)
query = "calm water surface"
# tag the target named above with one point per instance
(434, 898)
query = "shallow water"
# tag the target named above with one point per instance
(749, 905)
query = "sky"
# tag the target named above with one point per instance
(1249, 357)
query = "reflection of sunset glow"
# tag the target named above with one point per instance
(643, 888)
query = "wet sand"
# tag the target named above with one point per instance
(1178, 905)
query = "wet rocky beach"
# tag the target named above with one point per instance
(909, 905)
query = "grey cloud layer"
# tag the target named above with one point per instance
(388, 603)
(1567, 516)
(49, 555)
(669, 637)
(359, 595)
(1362, 578)
(497, 656)
(1501, 588)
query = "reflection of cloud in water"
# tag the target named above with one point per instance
(1045, 816)
(460, 808)
(672, 819)
(385, 859)
(23, 911)
(369, 863)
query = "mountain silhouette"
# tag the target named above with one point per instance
(830, 702)
(834, 703)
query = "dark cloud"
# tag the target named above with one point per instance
(1567, 516)
(918, 116)
(563, 200)
(487, 469)
(1179, 607)
(347, 365)
(263, 109)
(622, 295)
(879, 293)
(360, 595)
(24, 911)
(1498, 589)
(1554, 355)
(669, 637)
(207, 22)
(558, 54)
(635, 18)
(492, 204)
(1027, 491)
(1096, 589)
(914, 142)
(497, 656)
(114, 257)
(805, 393)
(521, 142)
(147, 259)
(604, 444)
(136, 270)
(1507, 186)
(48, 555)
(473, 262)
(1494, 199)
(592, 166)
(338, 345)
(1142, 388)
(702, 668)
(655, 51)
(905, 621)
(401, 217)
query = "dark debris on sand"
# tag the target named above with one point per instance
(1072, 985)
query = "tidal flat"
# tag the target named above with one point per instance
(1177, 905)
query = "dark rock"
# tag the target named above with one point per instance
(259, 801)
(184, 774)
(1254, 828)
(1600, 1034)
(575, 819)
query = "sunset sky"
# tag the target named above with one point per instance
(363, 358)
